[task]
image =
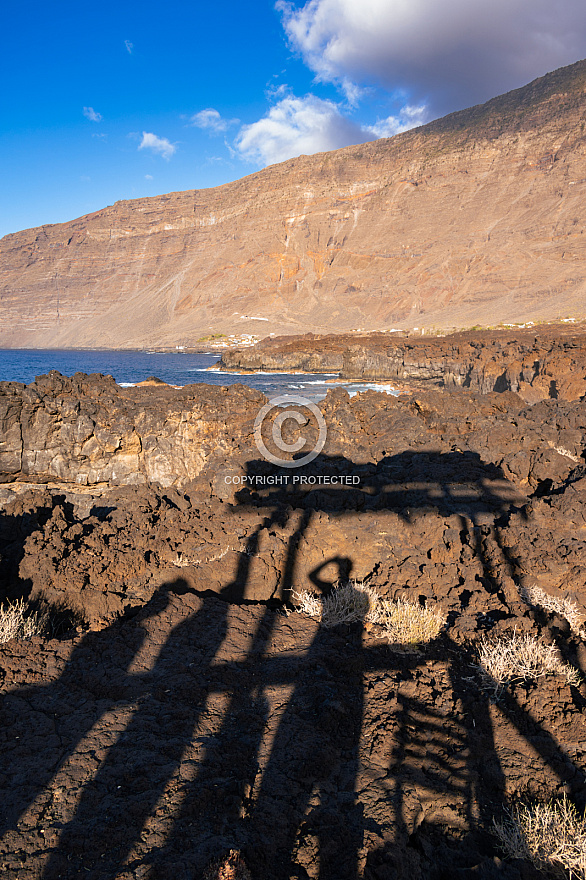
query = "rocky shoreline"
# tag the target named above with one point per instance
(189, 710)
(537, 363)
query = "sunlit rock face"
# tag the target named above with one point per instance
(537, 362)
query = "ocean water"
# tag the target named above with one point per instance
(130, 367)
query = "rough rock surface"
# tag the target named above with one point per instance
(86, 430)
(474, 215)
(192, 714)
(536, 363)
(106, 539)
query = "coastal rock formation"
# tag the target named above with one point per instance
(189, 711)
(86, 430)
(146, 483)
(536, 363)
(475, 215)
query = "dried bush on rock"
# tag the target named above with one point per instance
(520, 657)
(407, 623)
(552, 604)
(551, 836)
(347, 602)
(400, 622)
(19, 621)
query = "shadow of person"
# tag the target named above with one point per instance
(216, 817)
(409, 484)
(342, 564)
(299, 808)
(306, 807)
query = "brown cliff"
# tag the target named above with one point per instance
(537, 363)
(469, 219)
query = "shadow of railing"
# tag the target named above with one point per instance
(294, 798)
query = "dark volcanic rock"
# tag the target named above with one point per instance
(395, 476)
(195, 715)
(87, 431)
(154, 746)
(540, 363)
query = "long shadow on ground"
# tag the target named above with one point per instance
(301, 772)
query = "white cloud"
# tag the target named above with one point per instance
(92, 114)
(212, 121)
(450, 54)
(160, 146)
(407, 117)
(299, 125)
(275, 93)
(148, 177)
(128, 46)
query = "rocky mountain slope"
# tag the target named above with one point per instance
(472, 218)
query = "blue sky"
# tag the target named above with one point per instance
(120, 100)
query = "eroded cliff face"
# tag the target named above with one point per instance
(536, 363)
(472, 217)
(87, 431)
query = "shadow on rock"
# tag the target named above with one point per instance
(319, 753)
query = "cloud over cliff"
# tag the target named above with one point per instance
(298, 125)
(294, 126)
(449, 55)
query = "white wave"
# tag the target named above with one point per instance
(274, 373)
(127, 384)
(374, 386)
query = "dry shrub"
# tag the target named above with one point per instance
(553, 605)
(400, 622)
(231, 867)
(407, 623)
(346, 603)
(308, 603)
(552, 836)
(520, 657)
(18, 620)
